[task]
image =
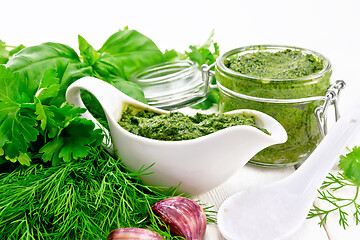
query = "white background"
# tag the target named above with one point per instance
(330, 27)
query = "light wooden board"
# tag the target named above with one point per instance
(249, 176)
(332, 226)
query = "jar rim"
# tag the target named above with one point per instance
(251, 48)
(146, 75)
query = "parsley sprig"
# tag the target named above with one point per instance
(32, 124)
(348, 177)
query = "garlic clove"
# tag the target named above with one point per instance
(184, 216)
(133, 233)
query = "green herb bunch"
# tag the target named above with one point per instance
(207, 53)
(33, 111)
(348, 177)
(56, 180)
(33, 124)
(83, 199)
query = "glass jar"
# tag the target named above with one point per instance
(290, 101)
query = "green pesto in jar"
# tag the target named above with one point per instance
(176, 126)
(275, 72)
(287, 64)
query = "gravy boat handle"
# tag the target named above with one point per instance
(111, 99)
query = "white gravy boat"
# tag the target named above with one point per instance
(198, 165)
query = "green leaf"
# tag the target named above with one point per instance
(24, 117)
(16, 49)
(205, 54)
(44, 115)
(17, 131)
(89, 54)
(58, 118)
(41, 116)
(212, 99)
(12, 88)
(108, 67)
(32, 62)
(132, 50)
(70, 74)
(50, 151)
(54, 119)
(201, 55)
(72, 142)
(93, 105)
(23, 159)
(49, 86)
(198, 55)
(170, 55)
(130, 88)
(216, 52)
(49, 78)
(17, 122)
(350, 164)
(4, 54)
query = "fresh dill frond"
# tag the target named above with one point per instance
(348, 177)
(83, 199)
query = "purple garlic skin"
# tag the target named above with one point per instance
(184, 216)
(133, 233)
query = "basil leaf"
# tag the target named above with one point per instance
(89, 54)
(32, 62)
(130, 88)
(105, 66)
(132, 50)
(108, 67)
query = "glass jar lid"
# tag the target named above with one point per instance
(172, 85)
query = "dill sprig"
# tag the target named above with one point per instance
(83, 199)
(338, 204)
(348, 177)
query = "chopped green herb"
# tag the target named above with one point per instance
(176, 126)
(287, 64)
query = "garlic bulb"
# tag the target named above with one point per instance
(184, 217)
(133, 233)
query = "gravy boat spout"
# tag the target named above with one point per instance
(198, 165)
